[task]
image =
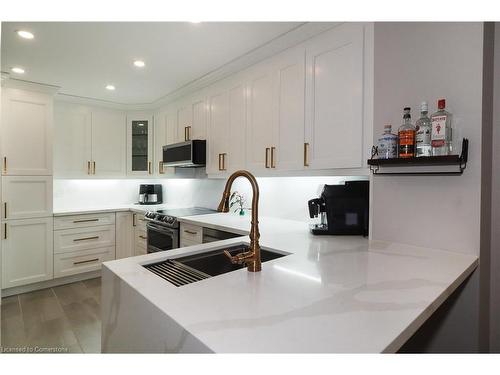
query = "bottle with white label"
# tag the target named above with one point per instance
(387, 144)
(423, 130)
(441, 137)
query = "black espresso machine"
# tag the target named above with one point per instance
(343, 209)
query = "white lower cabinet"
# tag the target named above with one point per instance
(27, 251)
(190, 235)
(124, 235)
(81, 244)
(140, 235)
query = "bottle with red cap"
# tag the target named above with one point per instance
(441, 137)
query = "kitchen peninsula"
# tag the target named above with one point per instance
(330, 294)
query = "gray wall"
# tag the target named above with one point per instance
(428, 61)
(495, 204)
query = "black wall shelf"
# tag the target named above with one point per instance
(382, 166)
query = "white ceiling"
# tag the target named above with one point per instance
(82, 58)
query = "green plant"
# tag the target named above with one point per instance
(238, 201)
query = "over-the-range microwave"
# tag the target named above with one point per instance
(190, 154)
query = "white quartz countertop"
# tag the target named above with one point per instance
(134, 207)
(331, 294)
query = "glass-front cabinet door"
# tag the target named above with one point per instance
(139, 144)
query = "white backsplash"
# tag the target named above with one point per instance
(282, 197)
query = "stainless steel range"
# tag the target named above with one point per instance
(163, 226)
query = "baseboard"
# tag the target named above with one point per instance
(50, 283)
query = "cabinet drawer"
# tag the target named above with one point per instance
(191, 233)
(83, 221)
(82, 261)
(71, 240)
(138, 221)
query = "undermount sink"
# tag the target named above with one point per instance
(189, 269)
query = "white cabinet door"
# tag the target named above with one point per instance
(259, 119)
(140, 144)
(199, 123)
(108, 143)
(27, 252)
(124, 235)
(184, 122)
(237, 127)
(288, 129)
(334, 95)
(72, 140)
(25, 197)
(26, 129)
(219, 131)
(165, 133)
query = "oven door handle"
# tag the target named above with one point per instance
(160, 228)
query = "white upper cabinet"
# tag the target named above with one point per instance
(287, 148)
(72, 140)
(139, 144)
(109, 143)
(334, 98)
(199, 112)
(26, 128)
(259, 118)
(165, 132)
(184, 121)
(219, 131)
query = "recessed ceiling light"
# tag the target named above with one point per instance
(110, 87)
(25, 34)
(139, 63)
(17, 70)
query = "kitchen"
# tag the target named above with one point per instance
(229, 196)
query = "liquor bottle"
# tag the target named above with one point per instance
(423, 130)
(388, 144)
(441, 137)
(406, 135)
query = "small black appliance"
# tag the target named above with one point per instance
(343, 209)
(150, 194)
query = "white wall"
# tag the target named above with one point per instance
(427, 61)
(284, 197)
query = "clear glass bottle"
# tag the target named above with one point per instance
(406, 136)
(388, 144)
(441, 138)
(423, 131)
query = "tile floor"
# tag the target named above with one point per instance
(65, 317)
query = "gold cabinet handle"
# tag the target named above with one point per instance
(190, 232)
(220, 162)
(86, 238)
(4, 231)
(160, 168)
(306, 154)
(93, 164)
(84, 220)
(143, 237)
(88, 167)
(5, 165)
(185, 133)
(134, 217)
(85, 261)
(189, 132)
(149, 167)
(267, 157)
(224, 161)
(273, 159)
(5, 210)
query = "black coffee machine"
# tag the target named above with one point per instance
(150, 194)
(343, 209)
